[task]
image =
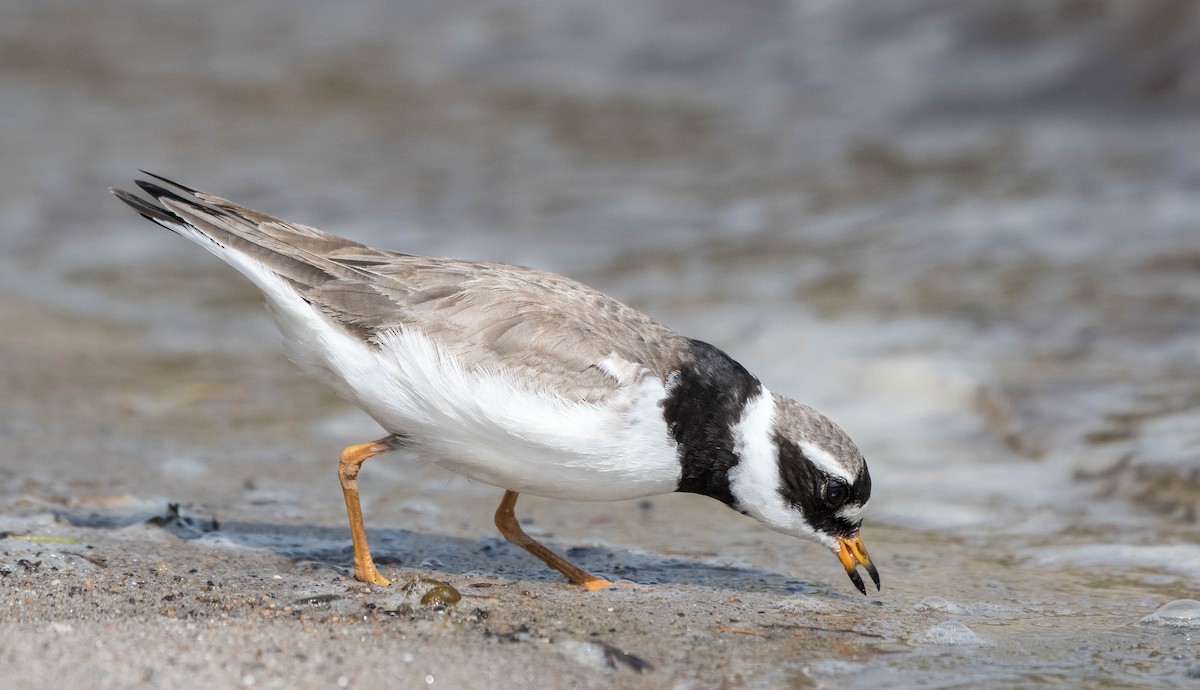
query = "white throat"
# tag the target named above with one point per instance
(755, 480)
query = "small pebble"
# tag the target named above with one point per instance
(441, 594)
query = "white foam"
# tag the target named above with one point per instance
(1181, 613)
(951, 633)
(939, 604)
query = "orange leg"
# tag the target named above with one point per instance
(351, 460)
(507, 523)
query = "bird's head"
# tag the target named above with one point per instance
(800, 474)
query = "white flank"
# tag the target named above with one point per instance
(494, 427)
(490, 426)
(755, 480)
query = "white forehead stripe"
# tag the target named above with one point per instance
(825, 462)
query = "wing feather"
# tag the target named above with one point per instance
(549, 329)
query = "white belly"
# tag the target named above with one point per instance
(490, 426)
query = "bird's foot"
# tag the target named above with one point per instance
(598, 583)
(370, 575)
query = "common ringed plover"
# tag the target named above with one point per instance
(530, 382)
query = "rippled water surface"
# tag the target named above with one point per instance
(969, 232)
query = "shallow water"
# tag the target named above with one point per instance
(969, 235)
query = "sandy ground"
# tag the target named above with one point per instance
(105, 586)
(965, 230)
(108, 581)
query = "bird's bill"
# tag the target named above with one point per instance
(852, 554)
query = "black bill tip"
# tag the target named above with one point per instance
(857, 580)
(851, 552)
(874, 573)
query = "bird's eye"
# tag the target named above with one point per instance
(836, 492)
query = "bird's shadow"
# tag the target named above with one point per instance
(491, 556)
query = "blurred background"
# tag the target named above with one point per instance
(967, 231)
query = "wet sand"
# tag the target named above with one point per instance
(967, 232)
(176, 520)
(107, 585)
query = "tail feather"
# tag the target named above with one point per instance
(146, 209)
(173, 183)
(294, 252)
